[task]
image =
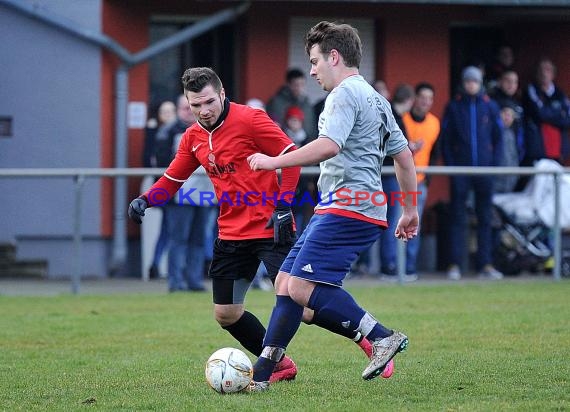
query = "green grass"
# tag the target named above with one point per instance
(487, 346)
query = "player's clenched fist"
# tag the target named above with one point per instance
(260, 161)
(137, 208)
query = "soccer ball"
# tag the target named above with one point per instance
(228, 370)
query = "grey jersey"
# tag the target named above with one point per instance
(361, 122)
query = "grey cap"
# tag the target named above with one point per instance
(472, 73)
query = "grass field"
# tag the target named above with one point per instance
(474, 346)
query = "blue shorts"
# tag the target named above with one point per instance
(327, 248)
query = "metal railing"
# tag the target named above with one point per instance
(80, 174)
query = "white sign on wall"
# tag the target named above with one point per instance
(136, 115)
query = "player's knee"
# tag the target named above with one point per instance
(299, 291)
(297, 296)
(308, 316)
(226, 316)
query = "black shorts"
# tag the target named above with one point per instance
(235, 263)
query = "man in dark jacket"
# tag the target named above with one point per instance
(293, 94)
(548, 110)
(471, 136)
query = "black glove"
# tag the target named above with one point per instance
(282, 222)
(136, 209)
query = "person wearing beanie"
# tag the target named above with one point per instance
(296, 112)
(472, 73)
(293, 126)
(471, 135)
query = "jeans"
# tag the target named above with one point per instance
(162, 241)
(186, 235)
(388, 242)
(211, 227)
(413, 245)
(483, 190)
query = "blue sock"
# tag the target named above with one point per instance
(337, 306)
(283, 324)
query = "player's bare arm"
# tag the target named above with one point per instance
(408, 223)
(318, 150)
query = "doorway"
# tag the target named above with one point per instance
(472, 46)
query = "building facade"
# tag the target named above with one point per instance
(58, 90)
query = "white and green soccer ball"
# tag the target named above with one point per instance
(229, 370)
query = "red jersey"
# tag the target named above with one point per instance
(246, 198)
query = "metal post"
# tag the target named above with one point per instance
(77, 263)
(557, 229)
(120, 206)
(401, 258)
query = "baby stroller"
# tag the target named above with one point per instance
(526, 221)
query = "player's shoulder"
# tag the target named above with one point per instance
(349, 89)
(355, 83)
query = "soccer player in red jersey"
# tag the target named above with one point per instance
(255, 221)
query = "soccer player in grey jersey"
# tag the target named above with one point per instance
(356, 130)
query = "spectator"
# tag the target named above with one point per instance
(504, 61)
(471, 136)
(506, 96)
(186, 221)
(381, 87)
(261, 280)
(292, 94)
(303, 206)
(255, 103)
(510, 156)
(506, 92)
(317, 110)
(548, 110)
(422, 131)
(293, 126)
(401, 104)
(166, 114)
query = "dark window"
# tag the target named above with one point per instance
(213, 49)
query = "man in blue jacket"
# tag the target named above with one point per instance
(471, 136)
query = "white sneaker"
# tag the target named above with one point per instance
(453, 273)
(383, 350)
(489, 272)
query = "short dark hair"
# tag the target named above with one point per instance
(508, 71)
(293, 74)
(196, 78)
(341, 37)
(402, 93)
(424, 85)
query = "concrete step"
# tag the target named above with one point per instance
(30, 269)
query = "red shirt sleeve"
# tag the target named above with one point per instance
(270, 139)
(179, 170)
(289, 180)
